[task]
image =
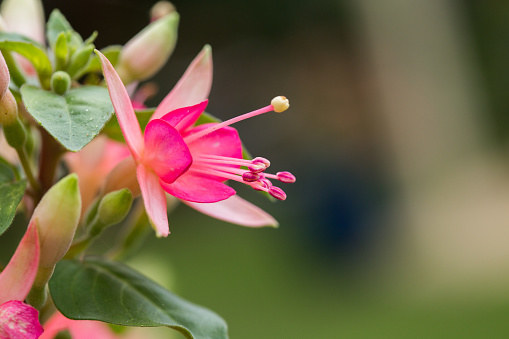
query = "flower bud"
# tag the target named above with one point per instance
(114, 207)
(25, 17)
(60, 82)
(4, 76)
(57, 216)
(149, 50)
(8, 109)
(61, 51)
(161, 9)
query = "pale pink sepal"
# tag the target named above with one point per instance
(79, 329)
(17, 278)
(154, 199)
(19, 321)
(192, 88)
(236, 211)
(123, 109)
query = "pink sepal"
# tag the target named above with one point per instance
(154, 199)
(79, 329)
(19, 321)
(123, 108)
(193, 87)
(17, 278)
(237, 211)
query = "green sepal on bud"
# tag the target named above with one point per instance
(112, 209)
(148, 51)
(60, 82)
(57, 216)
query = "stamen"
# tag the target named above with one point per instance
(257, 168)
(250, 176)
(261, 160)
(281, 104)
(277, 193)
(286, 177)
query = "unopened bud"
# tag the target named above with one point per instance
(60, 82)
(4, 76)
(280, 104)
(61, 51)
(149, 50)
(57, 216)
(161, 9)
(8, 109)
(113, 208)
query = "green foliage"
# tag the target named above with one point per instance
(112, 128)
(57, 24)
(11, 194)
(96, 289)
(73, 119)
(30, 49)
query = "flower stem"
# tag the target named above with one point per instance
(23, 158)
(50, 154)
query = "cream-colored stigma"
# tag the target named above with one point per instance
(280, 104)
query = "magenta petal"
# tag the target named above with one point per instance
(123, 108)
(193, 87)
(224, 142)
(165, 151)
(237, 211)
(183, 118)
(17, 278)
(154, 200)
(19, 321)
(195, 188)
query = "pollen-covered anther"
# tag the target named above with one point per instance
(277, 193)
(286, 177)
(280, 104)
(250, 177)
(260, 160)
(257, 168)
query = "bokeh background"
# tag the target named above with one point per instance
(398, 224)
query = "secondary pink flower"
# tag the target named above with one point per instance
(160, 155)
(19, 320)
(79, 329)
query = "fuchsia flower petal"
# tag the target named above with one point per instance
(17, 278)
(123, 108)
(154, 200)
(193, 87)
(183, 118)
(19, 321)
(224, 141)
(197, 188)
(237, 211)
(165, 151)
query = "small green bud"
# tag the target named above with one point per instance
(80, 59)
(57, 216)
(60, 82)
(145, 54)
(8, 109)
(15, 134)
(112, 209)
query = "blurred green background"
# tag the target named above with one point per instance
(398, 224)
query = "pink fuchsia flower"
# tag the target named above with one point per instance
(78, 329)
(217, 156)
(160, 155)
(17, 319)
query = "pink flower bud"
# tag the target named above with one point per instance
(57, 216)
(149, 50)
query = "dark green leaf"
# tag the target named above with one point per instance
(11, 194)
(6, 171)
(96, 289)
(30, 49)
(74, 118)
(113, 131)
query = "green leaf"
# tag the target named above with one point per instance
(6, 171)
(30, 49)
(11, 194)
(74, 118)
(57, 23)
(96, 289)
(112, 128)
